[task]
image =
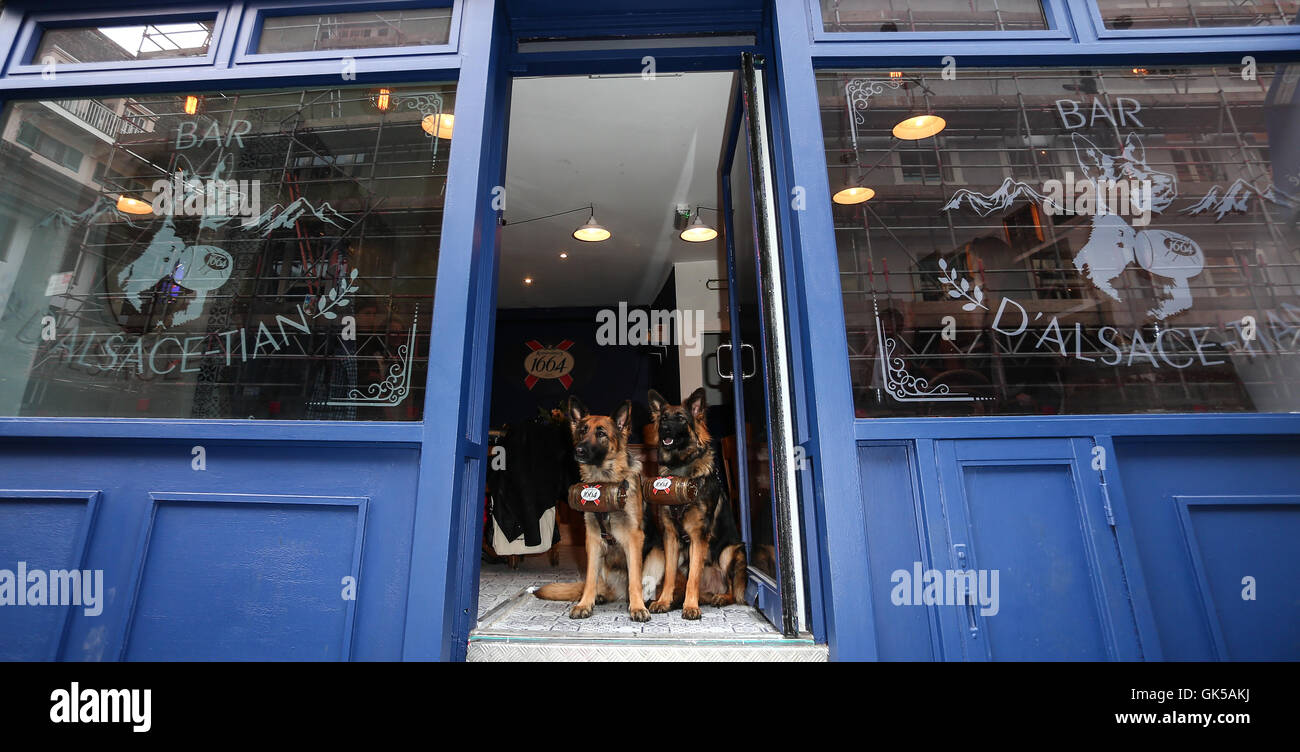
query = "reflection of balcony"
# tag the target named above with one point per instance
(106, 122)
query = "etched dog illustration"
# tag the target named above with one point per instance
(1172, 258)
(197, 268)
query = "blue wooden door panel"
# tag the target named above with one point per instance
(273, 566)
(1251, 607)
(40, 530)
(892, 510)
(1025, 512)
(1205, 514)
(232, 561)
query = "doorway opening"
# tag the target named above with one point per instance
(638, 165)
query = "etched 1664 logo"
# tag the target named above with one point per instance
(548, 363)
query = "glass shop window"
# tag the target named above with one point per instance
(1196, 14)
(860, 16)
(266, 254)
(1119, 240)
(124, 42)
(351, 31)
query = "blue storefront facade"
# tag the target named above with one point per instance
(1090, 401)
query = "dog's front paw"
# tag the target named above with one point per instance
(691, 612)
(639, 614)
(579, 612)
(660, 607)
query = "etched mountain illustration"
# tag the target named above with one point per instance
(280, 216)
(1003, 198)
(1236, 199)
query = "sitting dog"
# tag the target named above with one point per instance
(714, 555)
(616, 540)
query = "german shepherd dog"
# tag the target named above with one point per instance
(714, 554)
(600, 446)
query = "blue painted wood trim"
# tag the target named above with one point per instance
(463, 565)
(824, 352)
(291, 431)
(1170, 426)
(812, 527)
(467, 232)
(613, 24)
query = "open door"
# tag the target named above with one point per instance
(756, 352)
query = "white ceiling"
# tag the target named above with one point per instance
(636, 148)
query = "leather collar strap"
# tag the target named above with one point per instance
(601, 517)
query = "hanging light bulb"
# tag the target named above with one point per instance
(192, 104)
(918, 126)
(383, 99)
(592, 232)
(130, 205)
(853, 194)
(438, 125)
(697, 231)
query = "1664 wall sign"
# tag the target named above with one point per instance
(548, 363)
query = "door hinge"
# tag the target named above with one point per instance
(1105, 498)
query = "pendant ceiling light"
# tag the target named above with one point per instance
(438, 125)
(592, 231)
(129, 205)
(853, 194)
(919, 125)
(920, 121)
(697, 231)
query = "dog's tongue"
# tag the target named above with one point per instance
(667, 441)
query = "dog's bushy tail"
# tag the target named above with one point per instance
(560, 591)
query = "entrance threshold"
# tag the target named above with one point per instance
(514, 625)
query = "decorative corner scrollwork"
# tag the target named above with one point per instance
(902, 385)
(393, 390)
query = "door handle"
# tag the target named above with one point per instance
(972, 621)
(743, 373)
(717, 354)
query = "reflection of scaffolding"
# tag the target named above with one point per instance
(1015, 15)
(397, 28)
(891, 246)
(168, 39)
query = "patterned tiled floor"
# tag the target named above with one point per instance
(505, 607)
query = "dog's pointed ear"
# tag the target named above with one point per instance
(1134, 149)
(623, 418)
(576, 412)
(697, 403)
(1090, 157)
(657, 404)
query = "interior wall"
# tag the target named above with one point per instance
(602, 375)
(693, 294)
